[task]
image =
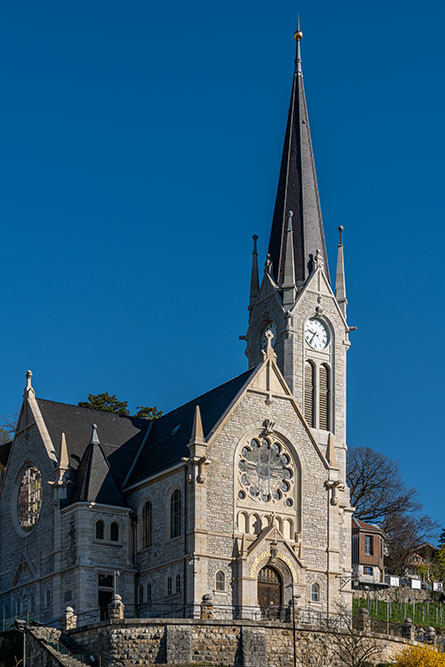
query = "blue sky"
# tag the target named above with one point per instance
(140, 152)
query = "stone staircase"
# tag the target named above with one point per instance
(58, 647)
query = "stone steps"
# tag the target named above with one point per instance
(61, 647)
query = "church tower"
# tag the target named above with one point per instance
(295, 300)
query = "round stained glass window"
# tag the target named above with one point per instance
(265, 470)
(29, 500)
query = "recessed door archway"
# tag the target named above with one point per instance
(270, 588)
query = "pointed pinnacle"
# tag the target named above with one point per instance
(197, 430)
(63, 460)
(330, 452)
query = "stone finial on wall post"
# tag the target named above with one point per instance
(207, 607)
(408, 629)
(116, 608)
(69, 619)
(430, 635)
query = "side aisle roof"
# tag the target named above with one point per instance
(168, 439)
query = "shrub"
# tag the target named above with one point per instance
(420, 656)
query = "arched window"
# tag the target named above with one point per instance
(169, 586)
(178, 583)
(149, 593)
(175, 514)
(220, 581)
(309, 392)
(315, 593)
(141, 594)
(48, 598)
(99, 530)
(114, 532)
(147, 525)
(324, 397)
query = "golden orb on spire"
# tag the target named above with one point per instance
(298, 35)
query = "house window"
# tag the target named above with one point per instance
(169, 586)
(220, 581)
(324, 397)
(99, 530)
(178, 583)
(367, 570)
(147, 525)
(309, 392)
(315, 593)
(175, 514)
(368, 546)
(114, 532)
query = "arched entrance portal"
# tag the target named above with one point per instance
(270, 588)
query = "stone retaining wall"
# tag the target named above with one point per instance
(211, 642)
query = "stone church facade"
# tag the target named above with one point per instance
(239, 495)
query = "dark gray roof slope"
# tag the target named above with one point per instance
(297, 192)
(94, 481)
(169, 436)
(4, 453)
(120, 437)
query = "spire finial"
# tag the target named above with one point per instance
(29, 388)
(298, 36)
(340, 237)
(94, 440)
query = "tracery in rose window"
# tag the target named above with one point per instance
(29, 501)
(266, 471)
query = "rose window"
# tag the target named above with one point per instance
(29, 501)
(266, 472)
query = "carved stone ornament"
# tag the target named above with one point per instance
(269, 425)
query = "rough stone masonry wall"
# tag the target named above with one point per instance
(214, 643)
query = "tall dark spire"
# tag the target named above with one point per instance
(297, 189)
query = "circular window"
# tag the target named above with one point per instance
(265, 470)
(29, 500)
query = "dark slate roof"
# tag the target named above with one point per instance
(4, 453)
(120, 437)
(297, 192)
(170, 434)
(94, 480)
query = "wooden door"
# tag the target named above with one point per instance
(269, 589)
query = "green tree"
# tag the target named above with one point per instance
(437, 570)
(442, 538)
(145, 412)
(7, 429)
(108, 403)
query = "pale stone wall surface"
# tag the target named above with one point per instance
(215, 643)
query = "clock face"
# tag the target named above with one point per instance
(270, 327)
(316, 333)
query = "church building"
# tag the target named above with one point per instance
(239, 496)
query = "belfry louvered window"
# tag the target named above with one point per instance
(309, 392)
(324, 397)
